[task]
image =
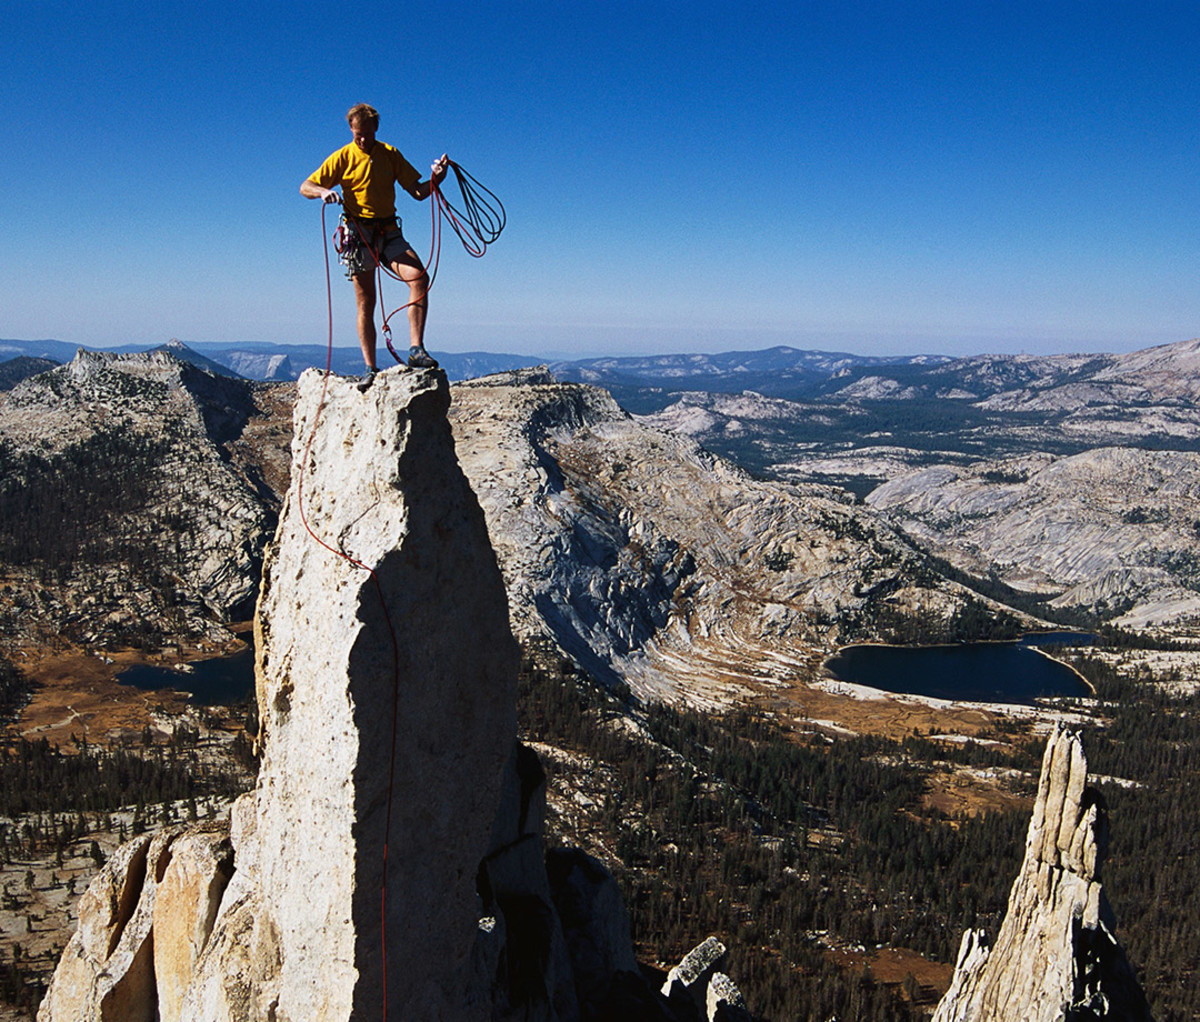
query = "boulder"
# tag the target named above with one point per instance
(724, 1001)
(687, 983)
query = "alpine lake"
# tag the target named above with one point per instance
(220, 681)
(1016, 672)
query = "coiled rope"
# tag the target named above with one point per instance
(478, 225)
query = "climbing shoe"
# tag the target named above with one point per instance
(419, 358)
(367, 379)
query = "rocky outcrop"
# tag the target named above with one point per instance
(261, 367)
(106, 971)
(390, 858)
(356, 669)
(687, 984)
(1056, 956)
(652, 563)
(159, 525)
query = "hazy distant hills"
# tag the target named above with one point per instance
(780, 371)
(276, 362)
(1031, 383)
(1013, 383)
(771, 408)
(865, 421)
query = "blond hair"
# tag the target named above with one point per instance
(363, 111)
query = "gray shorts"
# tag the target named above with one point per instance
(365, 245)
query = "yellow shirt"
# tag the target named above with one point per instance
(368, 180)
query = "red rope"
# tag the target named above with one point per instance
(476, 228)
(387, 827)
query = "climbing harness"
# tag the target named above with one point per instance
(477, 227)
(361, 244)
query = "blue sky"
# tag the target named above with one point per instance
(898, 177)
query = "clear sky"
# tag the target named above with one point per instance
(891, 177)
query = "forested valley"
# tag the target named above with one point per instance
(806, 855)
(63, 810)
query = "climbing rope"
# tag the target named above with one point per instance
(480, 222)
(477, 225)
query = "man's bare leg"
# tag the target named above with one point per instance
(409, 269)
(364, 297)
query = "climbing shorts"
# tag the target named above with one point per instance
(361, 244)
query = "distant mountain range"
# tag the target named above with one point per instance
(274, 362)
(649, 383)
(780, 371)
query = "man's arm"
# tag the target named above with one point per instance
(423, 189)
(311, 190)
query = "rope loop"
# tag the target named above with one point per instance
(477, 227)
(477, 223)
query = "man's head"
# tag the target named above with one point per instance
(363, 121)
(364, 113)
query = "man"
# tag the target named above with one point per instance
(368, 171)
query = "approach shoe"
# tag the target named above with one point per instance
(419, 358)
(367, 379)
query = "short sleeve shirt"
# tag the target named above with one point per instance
(368, 180)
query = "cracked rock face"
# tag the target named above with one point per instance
(396, 821)
(142, 924)
(355, 669)
(1056, 956)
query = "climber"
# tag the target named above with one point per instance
(367, 171)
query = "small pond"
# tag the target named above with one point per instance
(217, 682)
(983, 672)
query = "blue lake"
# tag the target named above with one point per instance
(985, 672)
(217, 682)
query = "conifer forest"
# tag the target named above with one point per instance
(804, 855)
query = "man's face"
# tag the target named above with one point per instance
(364, 133)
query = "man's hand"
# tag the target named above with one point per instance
(311, 190)
(439, 167)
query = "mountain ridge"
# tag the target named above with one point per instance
(592, 462)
